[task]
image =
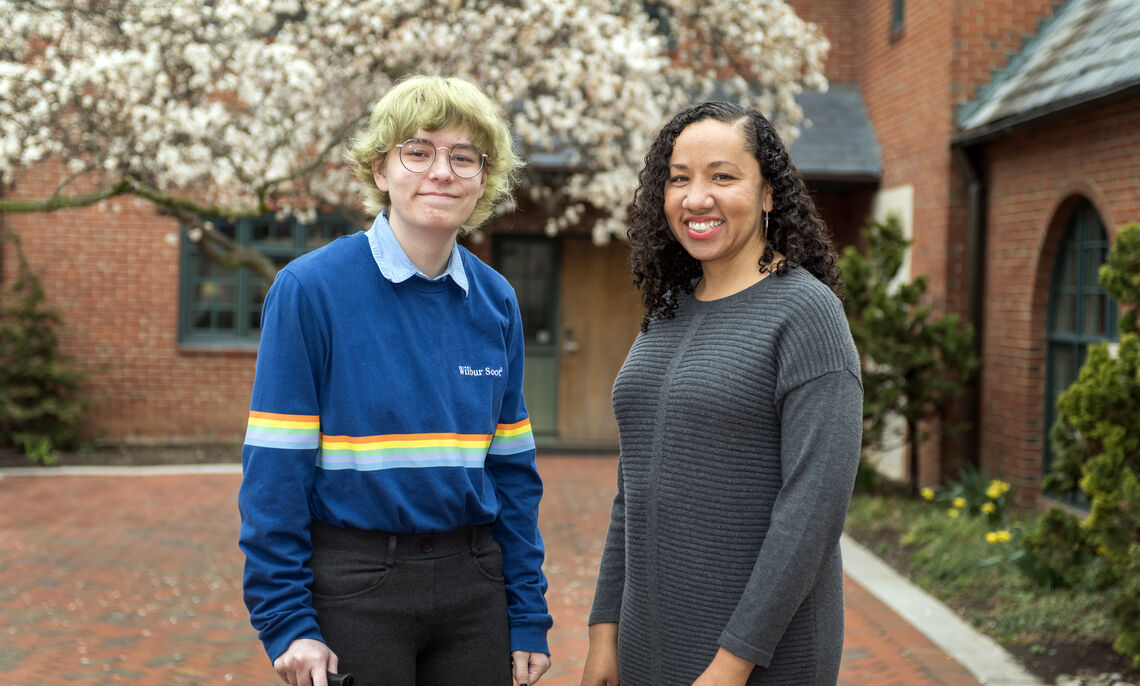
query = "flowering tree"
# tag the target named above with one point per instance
(240, 107)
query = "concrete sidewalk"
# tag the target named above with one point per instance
(114, 575)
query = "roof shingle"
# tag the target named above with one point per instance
(1087, 50)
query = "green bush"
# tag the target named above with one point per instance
(914, 362)
(1063, 551)
(1096, 438)
(39, 407)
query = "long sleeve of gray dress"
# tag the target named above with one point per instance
(821, 424)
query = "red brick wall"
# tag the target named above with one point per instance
(839, 20)
(1035, 175)
(112, 270)
(906, 79)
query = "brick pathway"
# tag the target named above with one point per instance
(137, 579)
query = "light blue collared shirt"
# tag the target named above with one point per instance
(394, 263)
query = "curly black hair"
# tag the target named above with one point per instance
(662, 268)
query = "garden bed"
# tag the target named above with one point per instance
(1063, 631)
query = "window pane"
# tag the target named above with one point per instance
(1062, 368)
(272, 233)
(201, 319)
(323, 232)
(529, 265)
(1069, 266)
(1093, 314)
(257, 290)
(224, 320)
(225, 227)
(1090, 271)
(1065, 314)
(217, 291)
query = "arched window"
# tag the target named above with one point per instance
(1080, 311)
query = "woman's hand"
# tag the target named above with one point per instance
(726, 669)
(602, 658)
(529, 667)
(305, 662)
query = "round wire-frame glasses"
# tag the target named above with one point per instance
(418, 156)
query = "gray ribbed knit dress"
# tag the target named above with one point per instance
(740, 421)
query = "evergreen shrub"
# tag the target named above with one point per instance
(40, 411)
(915, 362)
(1096, 440)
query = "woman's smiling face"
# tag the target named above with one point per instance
(715, 195)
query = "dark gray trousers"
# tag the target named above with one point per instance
(412, 609)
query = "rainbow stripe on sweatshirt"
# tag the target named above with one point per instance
(385, 451)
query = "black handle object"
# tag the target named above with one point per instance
(339, 679)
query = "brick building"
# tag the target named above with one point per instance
(1005, 134)
(1010, 137)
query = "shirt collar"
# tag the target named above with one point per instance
(394, 263)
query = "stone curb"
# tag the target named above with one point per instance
(979, 654)
(100, 470)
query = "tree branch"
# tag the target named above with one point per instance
(126, 187)
(64, 202)
(314, 163)
(226, 252)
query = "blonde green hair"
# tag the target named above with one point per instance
(432, 103)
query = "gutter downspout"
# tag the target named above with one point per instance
(975, 280)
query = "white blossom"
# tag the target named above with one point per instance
(213, 100)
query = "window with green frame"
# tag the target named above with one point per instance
(898, 14)
(221, 306)
(1081, 312)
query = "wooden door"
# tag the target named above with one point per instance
(601, 312)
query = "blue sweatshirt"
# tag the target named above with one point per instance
(386, 401)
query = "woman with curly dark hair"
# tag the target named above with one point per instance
(739, 410)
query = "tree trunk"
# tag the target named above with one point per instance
(912, 457)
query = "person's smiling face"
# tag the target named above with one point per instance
(432, 201)
(715, 196)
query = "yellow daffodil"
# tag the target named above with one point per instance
(927, 493)
(989, 508)
(1002, 536)
(996, 488)
(952, 512)
(959, 502)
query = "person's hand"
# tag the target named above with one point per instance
(529, 667)
(726, 669)
(602, 658)
(305, 663)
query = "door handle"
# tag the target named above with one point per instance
(569, 345)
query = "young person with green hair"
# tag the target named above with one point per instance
(390, 495)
